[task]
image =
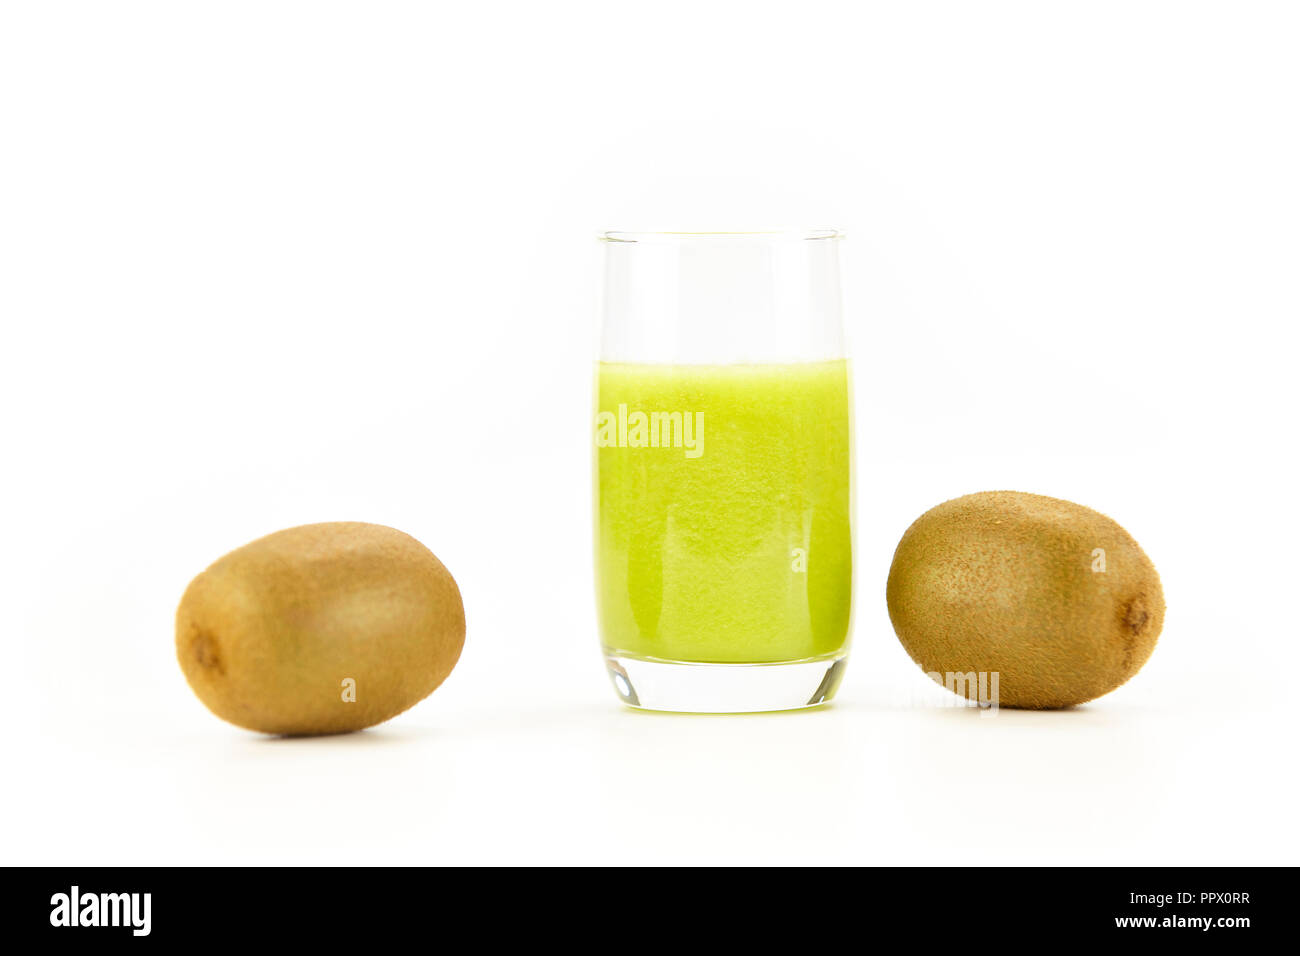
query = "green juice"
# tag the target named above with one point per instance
(723, 511)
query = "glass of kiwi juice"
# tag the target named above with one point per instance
(723, 458)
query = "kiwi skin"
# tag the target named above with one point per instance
(1004, 581)
(269, 632)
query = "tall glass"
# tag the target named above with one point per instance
(723, 492)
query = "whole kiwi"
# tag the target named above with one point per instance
(1054, 598)
(320, 629)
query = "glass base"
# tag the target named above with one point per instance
(690, 688)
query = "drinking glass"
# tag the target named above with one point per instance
(723, 490)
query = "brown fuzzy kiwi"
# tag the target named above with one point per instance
(1056, 599)
(269, 635)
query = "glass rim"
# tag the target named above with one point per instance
(811, 234)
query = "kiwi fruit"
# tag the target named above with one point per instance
(1056, 599)
(320, 629)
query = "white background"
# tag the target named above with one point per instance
(271, 263)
